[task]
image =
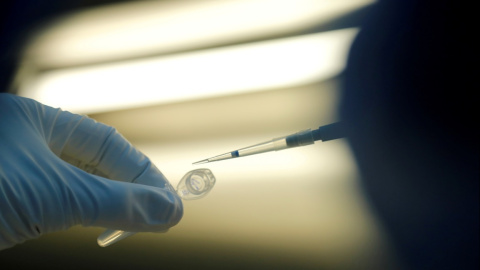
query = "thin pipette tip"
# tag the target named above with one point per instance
(200, 162)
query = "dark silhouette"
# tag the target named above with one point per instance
(409, 107)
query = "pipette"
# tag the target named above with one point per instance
(305, 137)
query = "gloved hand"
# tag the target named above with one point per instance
(55, 171)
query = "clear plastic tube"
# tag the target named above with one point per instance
(194, 185)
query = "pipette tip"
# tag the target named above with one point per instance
(200, 162)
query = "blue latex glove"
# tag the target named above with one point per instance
(55, 171)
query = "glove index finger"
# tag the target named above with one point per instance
(101, 150)
(96, 201)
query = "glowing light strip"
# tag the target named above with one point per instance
(142, 28)
(236, 69)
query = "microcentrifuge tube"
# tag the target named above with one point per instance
(194, 185)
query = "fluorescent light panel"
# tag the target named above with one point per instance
(235, 69)
(144, 28)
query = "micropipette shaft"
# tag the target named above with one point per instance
(306, 137)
